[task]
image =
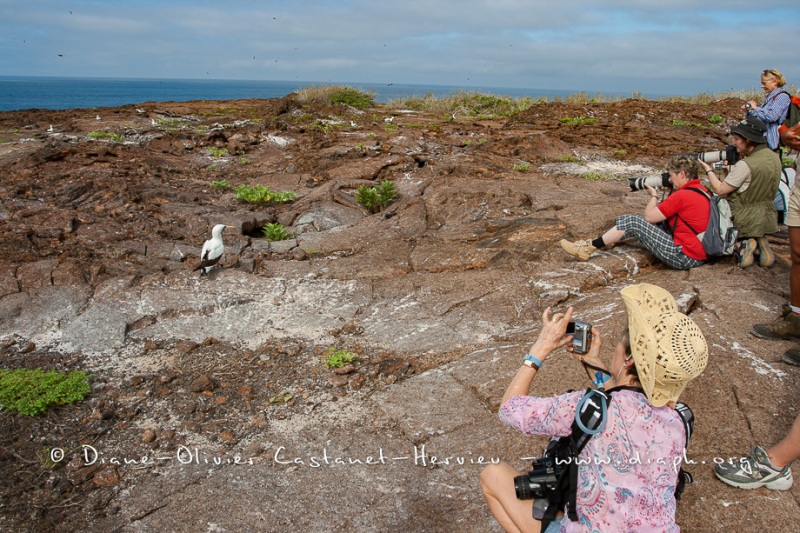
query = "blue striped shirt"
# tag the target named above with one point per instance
(772, 113)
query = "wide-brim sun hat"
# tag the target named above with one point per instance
(751, 129)
(668, 348)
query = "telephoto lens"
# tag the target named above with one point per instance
(637, 184)
(729, 155)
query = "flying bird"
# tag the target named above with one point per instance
(212, 250)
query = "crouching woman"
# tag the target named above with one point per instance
(622, 485)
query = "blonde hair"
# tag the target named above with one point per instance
(774, 73)
(684, 163)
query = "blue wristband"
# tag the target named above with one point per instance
(534, 361)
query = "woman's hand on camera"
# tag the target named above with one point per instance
(651, 191)
(553, 335)
(593, 355)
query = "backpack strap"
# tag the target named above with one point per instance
(699, 191)
(590, 419)
(687, 416)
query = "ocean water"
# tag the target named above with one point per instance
(22, 92)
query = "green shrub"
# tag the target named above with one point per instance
(275, 231)
(217, 152)
(578, 121)
(31, 392)
(598, 176)
(261, 194)
(337, 358)
(677, 122)
(376, 198)
(715, 119)
(336, 94)
(116, 137)
(522, 167)
(465, 103)
(221, 184)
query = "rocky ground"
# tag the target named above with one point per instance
(211, 406)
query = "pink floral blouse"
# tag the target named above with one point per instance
(628, 471)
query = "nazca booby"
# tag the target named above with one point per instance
(212, 250)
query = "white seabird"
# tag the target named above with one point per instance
(51, 129)
(212, 250)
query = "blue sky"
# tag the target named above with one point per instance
(653, 47)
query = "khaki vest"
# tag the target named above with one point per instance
(754, 210)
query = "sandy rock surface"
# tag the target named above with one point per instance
(211, 406)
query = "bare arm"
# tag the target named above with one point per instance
(552, 337)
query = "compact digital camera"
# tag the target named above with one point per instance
(581, 336)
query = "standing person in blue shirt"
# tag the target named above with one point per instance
(776, 103)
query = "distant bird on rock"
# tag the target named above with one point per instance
(212, 250)
(51, 129)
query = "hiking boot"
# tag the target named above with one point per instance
(791, 357)
(785, 328)
(755, 471)
(765, 256)
(580, 249)
(745, 252)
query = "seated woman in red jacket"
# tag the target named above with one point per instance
(685, 210)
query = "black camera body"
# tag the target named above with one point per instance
(544, 474)
(637, 184)
(581, 336)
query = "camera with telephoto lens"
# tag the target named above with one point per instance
(544, 476)
(637, 184)
(581, 336)
(728, 155)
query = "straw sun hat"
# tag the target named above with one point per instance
(668, 348)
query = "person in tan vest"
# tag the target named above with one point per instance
(750, 188)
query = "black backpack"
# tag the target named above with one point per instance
(590, 419)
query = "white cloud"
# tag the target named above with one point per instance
(649, 46)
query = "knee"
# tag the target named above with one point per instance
(490, 475)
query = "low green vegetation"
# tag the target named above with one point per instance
(522, 167)
(336, 94)
(469, 104)
(376, 198)
(391, 128)
(621, 152)
(578, 121)
(678, 122)
(31, 392)
(569, 159)
(217, 152)
(221, 184)
(116, 137)
(275, 231)
(598, 176)
(281, 397)
(263, 195)
(715, 119)
(337, 357)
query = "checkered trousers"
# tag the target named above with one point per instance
(657, 240)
